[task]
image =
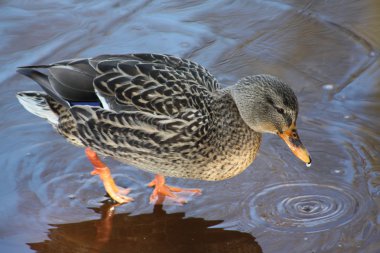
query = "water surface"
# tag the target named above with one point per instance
(328, 51)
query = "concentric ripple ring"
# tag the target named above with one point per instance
(305, 207)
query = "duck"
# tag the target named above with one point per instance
(163, 114)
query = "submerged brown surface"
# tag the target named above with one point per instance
(327, 52)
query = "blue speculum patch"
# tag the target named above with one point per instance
(86, 103)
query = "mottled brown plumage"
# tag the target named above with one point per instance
(161, 113)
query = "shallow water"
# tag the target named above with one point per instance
(329, 54)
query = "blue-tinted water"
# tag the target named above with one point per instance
(326, 50)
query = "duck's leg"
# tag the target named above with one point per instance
(117, 193)
(161, 189)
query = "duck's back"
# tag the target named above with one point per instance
(73, 80)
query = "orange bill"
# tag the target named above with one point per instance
(293, 141)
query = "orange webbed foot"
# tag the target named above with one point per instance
(117, 193)
(161, 190)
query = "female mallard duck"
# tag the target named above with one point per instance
(162, 114)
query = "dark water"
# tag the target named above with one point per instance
(328, 51)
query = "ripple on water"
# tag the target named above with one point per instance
(304, 207)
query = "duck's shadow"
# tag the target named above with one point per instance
(155, 232)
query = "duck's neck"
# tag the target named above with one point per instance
(224, 109)
(233, 143)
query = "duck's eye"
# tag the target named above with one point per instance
(280, 110)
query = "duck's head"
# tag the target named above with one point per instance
(268, 105)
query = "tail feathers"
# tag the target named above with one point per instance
(22, 68)
(36, 103)
(43, 80)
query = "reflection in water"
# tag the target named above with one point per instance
(155, 232)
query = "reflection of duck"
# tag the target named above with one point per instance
(164, 114)
(156, 232)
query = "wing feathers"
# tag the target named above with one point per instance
(136, 130)
(152, 103)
